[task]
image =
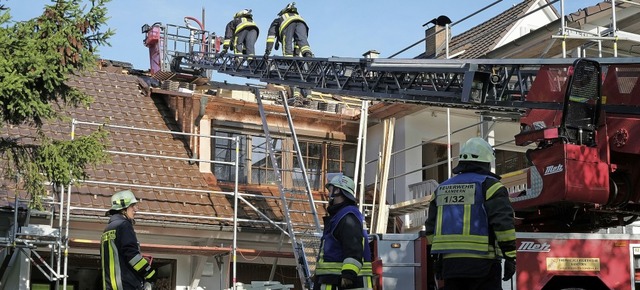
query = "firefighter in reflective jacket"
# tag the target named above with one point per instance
(344, 260)
(292, 31)
(241, 33)
(470, 218)
(123, 267)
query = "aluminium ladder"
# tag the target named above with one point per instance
(303, 224)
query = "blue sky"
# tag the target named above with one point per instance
(345, 28)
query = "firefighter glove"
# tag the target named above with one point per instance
(151, 276)
(348, 276)
(345, 283)
(509, 268)
(148, 286)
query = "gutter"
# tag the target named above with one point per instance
(186, 250)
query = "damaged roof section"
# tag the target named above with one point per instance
(150, 156)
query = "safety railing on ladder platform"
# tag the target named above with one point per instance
(299, 210)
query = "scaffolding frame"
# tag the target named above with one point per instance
(238, 196)
(24, 238)
(235, 192)
(588, 36)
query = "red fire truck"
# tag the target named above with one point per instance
(583, 178)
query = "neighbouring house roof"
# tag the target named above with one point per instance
(539, 43)
(484, 37)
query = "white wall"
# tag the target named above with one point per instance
(426, 125)
(373, 147)
(529, 23)
(183, 272)
(215, 276)
(408, 133)
(212, 273)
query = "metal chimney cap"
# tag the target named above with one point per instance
(441, 20)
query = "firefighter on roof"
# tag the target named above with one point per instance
(123, 267)
(290, 30)
(470, 223)
(344, 260)
(241, 33)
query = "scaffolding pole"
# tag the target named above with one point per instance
(361, 153)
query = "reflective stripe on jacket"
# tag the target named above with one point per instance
(236, 25)
(123, 267)
(332, 260)
(462, 223)
(287, 18)
(245, 23)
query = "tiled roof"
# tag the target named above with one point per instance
(482, 38)
(170, 190)
(119, 100)
(267, 200)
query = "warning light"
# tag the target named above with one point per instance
(395, 245)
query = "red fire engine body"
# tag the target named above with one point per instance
(545, 261)
(577, 261)
(584, 177)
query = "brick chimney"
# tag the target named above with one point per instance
(436, 36)
(371, 54)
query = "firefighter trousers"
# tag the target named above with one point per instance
(365, 280)
(245, 41)
(295, 32)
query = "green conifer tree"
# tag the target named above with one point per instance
(37, 57)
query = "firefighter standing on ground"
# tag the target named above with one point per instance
(241, 33)
(290, 30)
(123, 267)
(470, 215)
(344, 261)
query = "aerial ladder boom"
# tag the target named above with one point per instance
(561, 110)
(535, 91)
(496, 85)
